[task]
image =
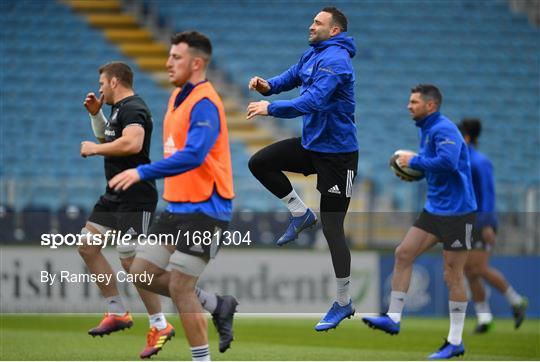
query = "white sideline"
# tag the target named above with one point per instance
(237, 315)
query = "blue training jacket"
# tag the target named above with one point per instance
(444, 159)
(326, 102)
(484, 188)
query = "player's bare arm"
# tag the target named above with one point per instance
(259, 84)
(257, 109)
(130, 143)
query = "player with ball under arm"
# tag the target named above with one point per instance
(448, 216)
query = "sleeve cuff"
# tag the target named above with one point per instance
(141, 172)
(271, 91)
(413, 163)
(271, 108)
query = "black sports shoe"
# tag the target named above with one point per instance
(482, 328)
(223, 320)
(518, 312)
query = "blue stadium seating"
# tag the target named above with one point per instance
(49, 63)
(485, 60)
(7, 223)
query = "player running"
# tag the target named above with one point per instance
(125, 142)
(484, 235)
(448, 216)
(328, 146)
(199, 188)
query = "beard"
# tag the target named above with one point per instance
(318, 37)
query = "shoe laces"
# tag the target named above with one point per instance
(292, 224)
(292, 221)
(152, 336)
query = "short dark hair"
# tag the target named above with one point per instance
(120, 71)
(429, 93)
(338, 17)
(194, 40)
(471, 127)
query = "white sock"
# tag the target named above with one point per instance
(457, 321)
(158, 320)
(201, 353)
(208, 300)
(115, 305)
(295, 204)
(343, 297)
(512, 296)
(483, 312)
(397, 302)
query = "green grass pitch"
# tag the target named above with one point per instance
(64, 337)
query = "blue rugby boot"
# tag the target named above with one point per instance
(296, 225)
(448, 350)
(384, 323)
(336, 314)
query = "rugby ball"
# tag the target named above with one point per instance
(404, 172)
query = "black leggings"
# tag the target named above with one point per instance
(268, 164)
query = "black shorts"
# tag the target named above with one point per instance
(194, 234)
(478, 242)
(335, 171)
(455, 232)
(129, 218)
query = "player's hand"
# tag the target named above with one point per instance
(404, 159)
(259, 108)
(124, 180)
(259, 84)
(88, 148)
(92, 104)
(488, 235)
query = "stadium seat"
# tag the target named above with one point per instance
(71, 219)
(7, 224)
(36, 220)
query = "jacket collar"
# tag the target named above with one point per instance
(341, 40)
(427, 121)
(184, 93)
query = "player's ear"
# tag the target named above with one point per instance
(334, 30)
(114, 82)
(198, 63)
